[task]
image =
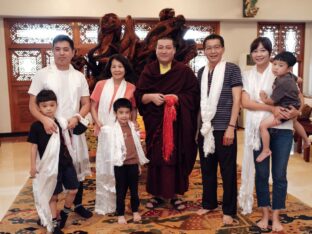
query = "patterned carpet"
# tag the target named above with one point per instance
(21, 218)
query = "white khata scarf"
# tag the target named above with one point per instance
(45, 181)
(105, 201)
(118, 147)
(79, 145)
(208, 104)
(253, 83)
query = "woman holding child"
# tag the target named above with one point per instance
(120, 85)
(261, 78)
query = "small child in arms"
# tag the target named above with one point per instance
(285, 94)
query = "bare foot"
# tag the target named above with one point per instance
(263, 155)
(227, 219)
(122, 220)
(263, 223)
(306, 143)
(277, 226)
(202, 211)
(136, 217)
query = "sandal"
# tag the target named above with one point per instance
(178, 204)
(154, 202)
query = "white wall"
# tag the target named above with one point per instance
(299, 10)
(238, 32)
(5, 123)
(237, 38)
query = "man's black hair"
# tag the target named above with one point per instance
(168, 38)
(212, 37)
(60, 38)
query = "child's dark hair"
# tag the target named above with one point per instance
(286, 57)
(122, 102)
(45, 95)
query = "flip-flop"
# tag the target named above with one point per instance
(155, 203)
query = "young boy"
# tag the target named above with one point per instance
(51, 166)
(127, 153)
(285, 94)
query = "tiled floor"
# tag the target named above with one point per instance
(14, 171)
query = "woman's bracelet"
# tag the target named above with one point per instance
(231, 125)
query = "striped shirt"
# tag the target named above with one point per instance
(232, 78)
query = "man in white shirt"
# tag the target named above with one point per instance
(72, 91)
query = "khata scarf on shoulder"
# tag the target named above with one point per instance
(80, 154)
(209, 103)
(118, 147)
(45, 181)
(253, 84)
(105, 201)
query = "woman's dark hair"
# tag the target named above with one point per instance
(45, 95)
(122, 103)
(267, 44)
(130, 75)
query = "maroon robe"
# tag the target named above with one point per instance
(167, 178)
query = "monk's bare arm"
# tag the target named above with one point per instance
(48, 123)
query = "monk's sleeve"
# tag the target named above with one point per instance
(189, 96)
(188, 107)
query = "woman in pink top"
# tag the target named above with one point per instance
(119, 85)
(118, 69)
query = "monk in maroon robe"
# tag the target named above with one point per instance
(167, 77)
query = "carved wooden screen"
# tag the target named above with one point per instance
(286, 36)
(28, 44)
(198, 31)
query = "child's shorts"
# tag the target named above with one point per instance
(66, 177)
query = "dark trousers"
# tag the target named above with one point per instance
(226, 157)
(127, 176)
(78, 198)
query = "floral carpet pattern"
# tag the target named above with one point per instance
(21, 217)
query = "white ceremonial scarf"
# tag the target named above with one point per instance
(105, 201)
(79, 143)
(45, 181)
(253, 83)
(118, 147)
(208, 103)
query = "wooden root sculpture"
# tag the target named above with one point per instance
(138, 52)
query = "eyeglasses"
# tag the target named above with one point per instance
(216, 47)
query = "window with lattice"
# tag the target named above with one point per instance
(286, 36)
